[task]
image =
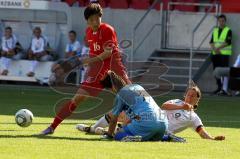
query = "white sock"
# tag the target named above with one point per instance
(5, 63)
(82, 76)
(225, 84)
(33, 66)
(102, 122)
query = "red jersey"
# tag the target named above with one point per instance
(97, 41)
(105, 36)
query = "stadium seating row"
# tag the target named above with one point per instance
(228, 6)
(137, 4)
(122, 4)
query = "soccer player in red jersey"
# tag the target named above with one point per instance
(104, 55)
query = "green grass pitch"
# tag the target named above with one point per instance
(221, 115)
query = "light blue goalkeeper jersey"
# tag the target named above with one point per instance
(147, 119)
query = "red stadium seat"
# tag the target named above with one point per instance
(213, 10)
(186, 8)
(121, 4)
(70, 2)
(140, 4)
(82, 3)
(230, 6)
(103, 3)
(164, 2)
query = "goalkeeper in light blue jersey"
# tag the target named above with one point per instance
(148, 122)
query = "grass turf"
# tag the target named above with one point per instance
(221, 115)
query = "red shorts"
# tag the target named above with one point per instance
(94, 87)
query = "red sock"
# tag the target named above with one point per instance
(64, 112)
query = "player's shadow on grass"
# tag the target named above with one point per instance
(48, 137)
(7, 130)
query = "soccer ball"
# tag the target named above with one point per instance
(24, 118)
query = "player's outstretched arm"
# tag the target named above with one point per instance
(172, 106)
(204, 134)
